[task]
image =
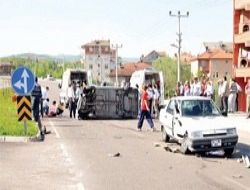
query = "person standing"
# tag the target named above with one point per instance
(150, 92)
(209, 89)
(247, 91)
(196, 87)
(225, 94)
(44, 99)
(36, 96)
(145, 110)
(220, 82)
(187, 89)
(232, 96)
(191, 87)
(156, 101)
(72, 100)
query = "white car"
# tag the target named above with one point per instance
(197, 124)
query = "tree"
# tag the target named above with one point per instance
(168, 66)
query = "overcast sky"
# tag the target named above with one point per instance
(62, 26)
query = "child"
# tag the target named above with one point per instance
(52, 110)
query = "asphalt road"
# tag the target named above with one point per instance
(80, 155)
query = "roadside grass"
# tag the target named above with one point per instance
(9, 126)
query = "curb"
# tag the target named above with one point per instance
(14, 139)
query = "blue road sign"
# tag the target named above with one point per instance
(22, 81)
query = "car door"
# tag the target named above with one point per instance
(169, 117)
(178, 130)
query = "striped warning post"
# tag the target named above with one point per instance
(24, 108)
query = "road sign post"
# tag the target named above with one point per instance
(23, 82)
(24, 110)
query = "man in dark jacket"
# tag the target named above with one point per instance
(36, 96)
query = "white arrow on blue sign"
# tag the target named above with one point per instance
(22, 81)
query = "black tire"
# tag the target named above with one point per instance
(184, 146)
(228, 152)
(165, 136)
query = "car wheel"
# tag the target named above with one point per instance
(228, 152)
(184, 146)
(165, 136)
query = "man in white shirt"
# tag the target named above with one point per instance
(45, 96)
(196, 87)
(209, 89)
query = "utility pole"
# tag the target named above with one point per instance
(179, 40)
(116, 47)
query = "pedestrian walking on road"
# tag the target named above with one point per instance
(145, 110)
(37, 96)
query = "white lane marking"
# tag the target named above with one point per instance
(236, 182)
(68, 160)
(79, 186)
(54, 129)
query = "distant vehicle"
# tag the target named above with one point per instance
(197, 124)
(149, 76)
(76, 75)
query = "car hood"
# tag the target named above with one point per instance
(206, 123)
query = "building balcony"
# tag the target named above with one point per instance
(243, 38)
(242, 4)
(242, 72)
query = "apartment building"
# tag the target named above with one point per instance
(100, 59)
(241, 47)
(215, 61)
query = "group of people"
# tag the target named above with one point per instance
(227, 92)
(74, 92)
(195, 87)
(49, 110)
(40, 106)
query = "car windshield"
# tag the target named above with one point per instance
(199, 108)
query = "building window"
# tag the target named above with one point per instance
(91, 49)
(226, 73)
(98, 74)
(245, 28)
(217, 74)
(226, 61)
(98, 65)
(90, 66)
(106, 66)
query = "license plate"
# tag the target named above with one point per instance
(216, 143)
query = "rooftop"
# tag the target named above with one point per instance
(97, 42)
(127, 69)
(215, 54)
